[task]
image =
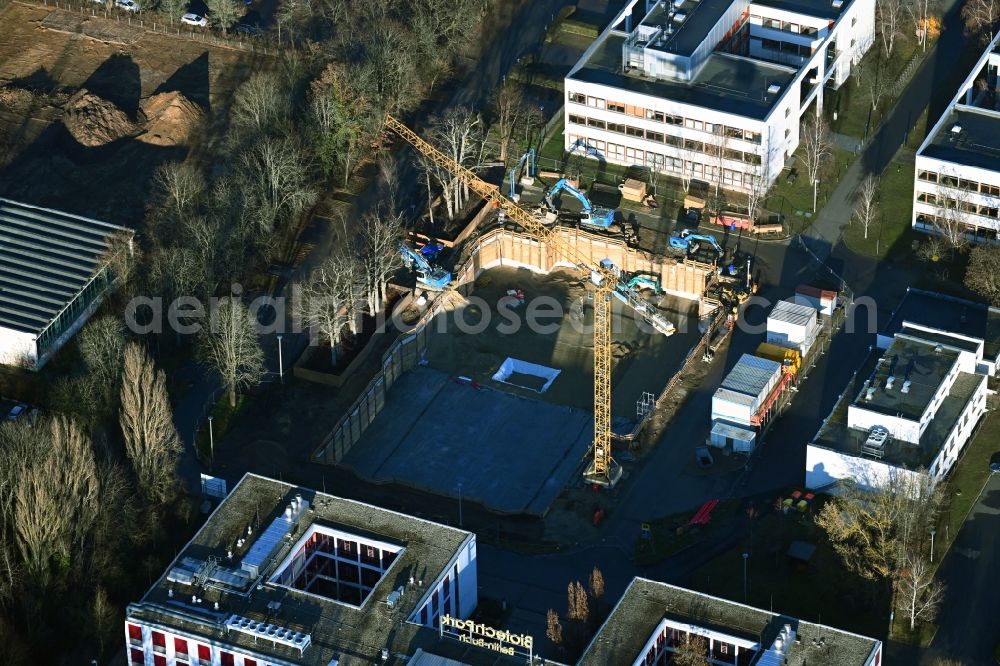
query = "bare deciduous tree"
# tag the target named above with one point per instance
(260, 104)
(178, 187)
(596, 584)
(888, 23)
(379, 254)
(578, 606)
(172, 9)
(224, 13)
(230, 346)
(918, 593)
(508, 111)
(56, 500)
(982, 275)
(692, 651)
(866, 206)
(459, 135)
(102, 346)
(147, 424)
(817, 149)
(277, 186)
(329, 299)
(952, 220)
(343, 117)
(923, 20)
(981, 18)
(553, 627)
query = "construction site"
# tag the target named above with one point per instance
(561, 337)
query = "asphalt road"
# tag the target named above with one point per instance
(970, 618)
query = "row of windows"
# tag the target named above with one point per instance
(669, 139)
(666, 118)
(670, 639)
(787, 47)
(664, 163)
(194, 654)
(972, 231)
(959, 183)
(787, 26)
(963, 206)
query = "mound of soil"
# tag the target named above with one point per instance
(171, 118)
(94, 121)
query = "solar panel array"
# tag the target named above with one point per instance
(46, 258)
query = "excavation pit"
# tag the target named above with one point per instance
(501, 409)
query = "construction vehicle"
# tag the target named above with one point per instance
(790, 359)
(527, 160)
(605, 277)
(592, 216)
(691, 243)
(429, 275)
(640, 281)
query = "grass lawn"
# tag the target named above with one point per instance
(850, 102)
(223, 417)
(893, 229)
(794, 199)
(967, 481)
(820, 591)
(922, 633)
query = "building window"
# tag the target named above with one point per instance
(594, 122)
(635, 131)
(788, 132)
(159, 641)
(992, 190)
(205, 654)
(690, 123)
(159, 660)
(655, 136)
(579, 98)
(928, 176)
(595, 102)
(616, 127)
(577, 120)
(136, 656)
(637, 111)
(770, 44)
(970, 185)
(180, 646)
(926, 197)
(249, 662)
(135, 633)
(617, 107)
(674, 120)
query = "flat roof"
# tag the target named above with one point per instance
(948, 313)
(646, 603)
(700, 17)
(912, 359)
(352, 633)
(46, 258)
(793, 313)
(817, 8)
(976, 143)
(727, 83)
(835, 434)
(751, 375)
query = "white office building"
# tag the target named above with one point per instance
(711, 90)
(957, 174)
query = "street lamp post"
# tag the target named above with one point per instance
(211, 442)
(746, 556)
(933, 532)
(281, 363)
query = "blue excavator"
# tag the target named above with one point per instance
(429, 275)
(627, 291)
(691, 243)
(592, 216)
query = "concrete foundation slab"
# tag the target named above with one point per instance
(512, 454)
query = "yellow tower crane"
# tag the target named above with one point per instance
(603, 469)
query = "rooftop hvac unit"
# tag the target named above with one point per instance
(889, 381)
(870, 393)
(773, 89)
(837, 4)
(875, 443)
(906, 387)
(679, 17)
(956, 129)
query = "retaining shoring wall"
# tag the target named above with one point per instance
(494, 248)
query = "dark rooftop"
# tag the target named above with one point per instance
(818, 8)
(947, 313)
(976, 143)
(837, 436)
(46, 258)
(701, 17)
(645, 603)
(355, 634)
(722, 83)
(913, 360)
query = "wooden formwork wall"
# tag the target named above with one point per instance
(504, 247)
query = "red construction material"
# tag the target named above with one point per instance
(758, 418)
(598, 517)
(703, 515)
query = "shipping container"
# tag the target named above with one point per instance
(733, 406)
(791, 324)
(822, 300)
(740, 439)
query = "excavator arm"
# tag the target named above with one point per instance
(604, 277)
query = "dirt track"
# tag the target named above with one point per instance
(46, 55)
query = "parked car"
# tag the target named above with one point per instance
(16, 412)
(128, 5)
(195, 19)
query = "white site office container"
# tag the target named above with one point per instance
(792, 325)
(740, 439)
(753, 376)
(733, 406)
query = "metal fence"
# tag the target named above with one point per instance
(405, 354)
(151, 22)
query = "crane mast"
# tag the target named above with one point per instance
(602, 469)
